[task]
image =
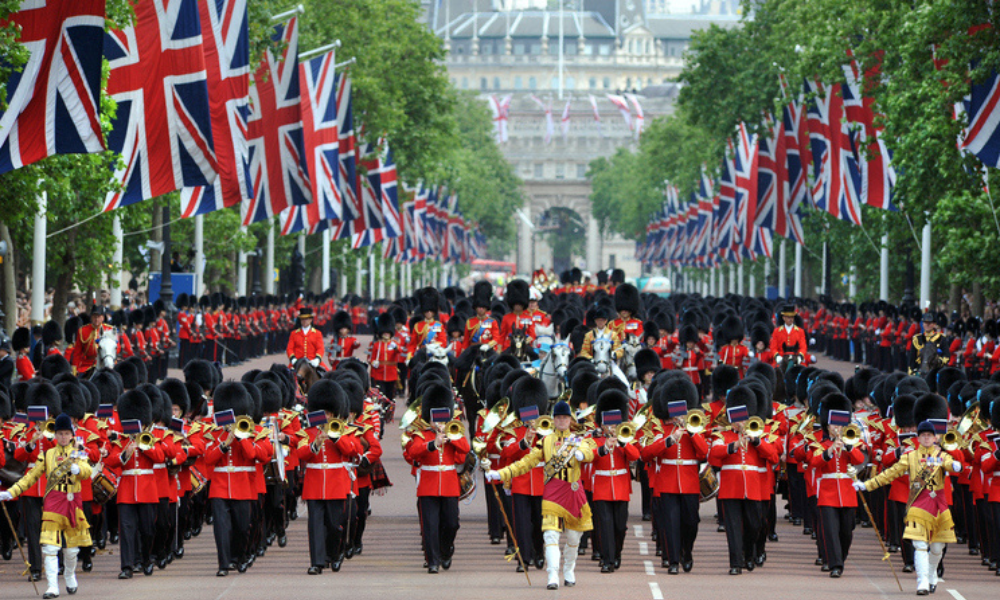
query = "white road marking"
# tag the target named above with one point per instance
(956, 595)
(649, 568)
(654, 589)
(638, 531)
(644, 548)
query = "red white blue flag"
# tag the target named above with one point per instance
(319, 121)
(836, 178)
(53, 101)
(163, 128)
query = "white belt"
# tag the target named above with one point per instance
(540, 465)
(678, 462)
(137, 472)
(611, 473)
(159, 466)
(689, 369)
(835, 476)
(996, 473)
(339, 465)
(493, 456)
(740, 468)
(437, 467)
(234, 469)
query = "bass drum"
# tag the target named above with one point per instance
(708, 482)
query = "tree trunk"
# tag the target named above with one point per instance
(60, 296)
(234, 273)
(8, 284)
(977, 299)
(954, 298)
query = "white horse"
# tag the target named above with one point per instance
(552, 369)
(107, 349)
(601, 349)
(630, 347)
(437, 353)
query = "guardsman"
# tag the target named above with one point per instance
(21, 344)
(384, 355)
(732, 352)
(305, 342)
(85, 345)
(539, 317)
(343, 344)
(518, 318)
(601, 331)
(627, 304)
(689, 356)
(929, 349)
(789, 338)
(482, 329)
(612, 487)
(429, 330)
(760, 339)
(185, 320)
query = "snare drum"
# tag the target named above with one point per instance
(104, 484)
(198, 480)
(708, 483)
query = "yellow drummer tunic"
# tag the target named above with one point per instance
(62, 509)
(928, 518)
(553, 512)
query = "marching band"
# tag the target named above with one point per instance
(697, 399)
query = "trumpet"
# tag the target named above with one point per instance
(544, 425)
(754, 427)
(952, 440)
(145, 441)
(454, 430)
(970, 424)
(243, 428)
(850, 435)
(334, 428)
(626, 432)
(695, 422)
(48, 428)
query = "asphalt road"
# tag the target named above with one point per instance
(390, 566)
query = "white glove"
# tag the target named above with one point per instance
(578, 455)
(74, 469)
(375, 364)
(484, 348)
(956, 466)
(859, 486)
(314, 362)
(493, 476)
(6, 496)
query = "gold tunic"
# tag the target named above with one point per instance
(544, 452)
(56, 523)
(928, 518)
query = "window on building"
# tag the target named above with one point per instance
(459, 50)
(588, 49)
(536, 48)
(532, 83)
(483, 84)
(496, 83)
(465, 83)
(606, 83)
(518, 83)
(560, 171)
(553, 47)
(486, 48)
(570, 83)
(518, 49)
(593, 83)
(570, 47)
(539, 170)
(581, 171)
(673, 51)
(604, 49)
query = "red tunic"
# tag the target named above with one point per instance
(437, 474)
(678, 462)
(835, 487)
(612, 479)
(305, 345)
(326, 472)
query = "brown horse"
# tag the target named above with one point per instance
(306, 375)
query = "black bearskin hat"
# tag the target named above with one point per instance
(159, 402)
(233, 395)
(724, 378)
(617, 276)
(327, 395)
(517, 293)
(482, 294)
(530, 391)
(760, 332)
(93, 395)
(428, 299)
(730, 329)
(581, 383)
(946, 377)
(672, 390)
(650, 329)
(929, 406)
(689, 333)
(70, 328)
(645, 361)
(358, 368)
(902, 411)
(54, 365)
(627, 298)
(200, 372)
(611, 400)
(21, 339)
(140, 368)
(742, 395)
(385, 324)
(51, 333)
(130, 375)
(270, 396)
(74, 400)
(108, 386)
(176, 391)
(834, 401)
(456, 324)
(340, 320)
(436, 395)
(134, 405)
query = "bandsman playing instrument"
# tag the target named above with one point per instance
(64, 467)
(612, 487)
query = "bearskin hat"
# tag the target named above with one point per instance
(508, 381)
(175, 390)
(200, 372)
(326, 394)
(428, 299)
(256, 406)
(93, 395)
(579, 386)
(802, 382)
(135, 406)
(140, 368)
(912, 385)
(767, 372)
(358, 368)
(456, 324)
(54, 365)
(70, 328)
(836, 401)
(689, 333)
(611, 400)
(107, 385)
(730, 329)
(645, 361)
(617, 276)
(73, 398)
(929, 406)
(385, 324)
(353, 390)
(650, 330)
(760, 332)
(160, 403)
(436, 395)
(129, 375)
(608, 383)
(530, 391)
(482, 294)
(517, 293)
(857, 386)
(270, 396)
(762, 394)
(340, 320)
(199, 406)
(51, 333)
(742, 395)
(672, 390)
(627, 298)
(21, 339)
(232, 395)
(833, 377)
(724, 378)
(902, 410)
(945, 378)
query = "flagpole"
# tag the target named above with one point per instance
(241, 270)
(357, 276)
(798, 270)
(739, 279)
(561, 59)
(925, 264)
(38, 260)
(782, 270)
(381, 279)
(326, 261)
(308, 53)
(116, 290)
(371, 273)
(269, 259)
(298, 10)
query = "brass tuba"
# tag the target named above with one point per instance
(497, 415)
(412, 414)
(952, 440)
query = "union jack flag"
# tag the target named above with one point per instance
(227, 61)
(878, 176)
(389, 193)
(501, 114)
(278, 168)
(982, 136)
(351, 206)
(622, 105)
(798, 157)
(727, 239)
(55, 95)
(745, 170)
(639, 118)
(837, 178)
(163, 128)
(319, 121)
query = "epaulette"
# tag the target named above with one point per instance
(771, 438)
(93, 437)
(301, 433)
(706, 407)
(194, 428)
(781, 408)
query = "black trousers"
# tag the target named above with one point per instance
(439, 522)
(137, 526)
(274, 510)
(528, 525)
(326, 529)
(796, 492)
(361, 505)
(838, 531)
(743, 520)
(817, 527)
(31, 517)
(644, 489)
(494, 519)
(677, 519)
(962, 513)
(166, 528)
(612, 517)
(231, 524)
